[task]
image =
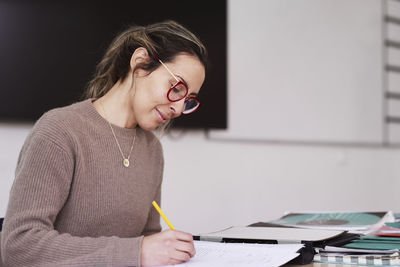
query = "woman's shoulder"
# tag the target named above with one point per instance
(58, 123)
(63, 117)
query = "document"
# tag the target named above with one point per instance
(212, 254)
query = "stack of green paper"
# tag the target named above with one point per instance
(393, 224)
(375, 242)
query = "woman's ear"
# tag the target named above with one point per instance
(139, 56)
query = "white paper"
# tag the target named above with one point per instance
(213, 254)
(330, 249)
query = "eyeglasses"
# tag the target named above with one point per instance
(179, 91)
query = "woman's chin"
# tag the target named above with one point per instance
(149, 126)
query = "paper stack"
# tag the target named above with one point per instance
(377, 245)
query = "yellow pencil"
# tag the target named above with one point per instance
(163, 215)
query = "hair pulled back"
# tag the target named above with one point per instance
(164, 40)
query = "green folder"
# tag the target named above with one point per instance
(393, 225)
(375, 242)
(380, 239)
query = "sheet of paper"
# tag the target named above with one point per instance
(213, 254)
(330, 249)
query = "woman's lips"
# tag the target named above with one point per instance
(163, 118)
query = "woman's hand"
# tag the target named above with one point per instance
(167, 247)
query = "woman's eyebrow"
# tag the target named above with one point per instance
(183, 80)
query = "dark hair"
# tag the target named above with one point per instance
(164, 40)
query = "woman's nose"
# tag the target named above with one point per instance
(177, 107)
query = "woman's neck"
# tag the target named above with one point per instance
(115, 106)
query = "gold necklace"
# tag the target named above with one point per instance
(125, 161)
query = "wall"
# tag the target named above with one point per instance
(224, 182)
(12, 137)
(302, 68)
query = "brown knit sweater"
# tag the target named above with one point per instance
(73, 203)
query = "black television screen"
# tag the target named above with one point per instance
(49, 50)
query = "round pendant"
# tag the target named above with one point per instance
(126, 162)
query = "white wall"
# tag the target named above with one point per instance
(12, 137)
(226, 183)
(305, 70)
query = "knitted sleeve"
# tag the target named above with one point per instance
(40, 189)
(153, 220)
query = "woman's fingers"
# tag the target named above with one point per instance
(180, 256)
(184, 242)
(186, 247)
(167, 247)
(183, 236)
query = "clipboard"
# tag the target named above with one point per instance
(269, 235)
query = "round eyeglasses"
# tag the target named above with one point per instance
(179, 91)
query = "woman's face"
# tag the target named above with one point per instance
(150, 104)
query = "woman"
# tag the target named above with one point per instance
(88, 173)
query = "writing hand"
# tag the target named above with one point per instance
(167, 247)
